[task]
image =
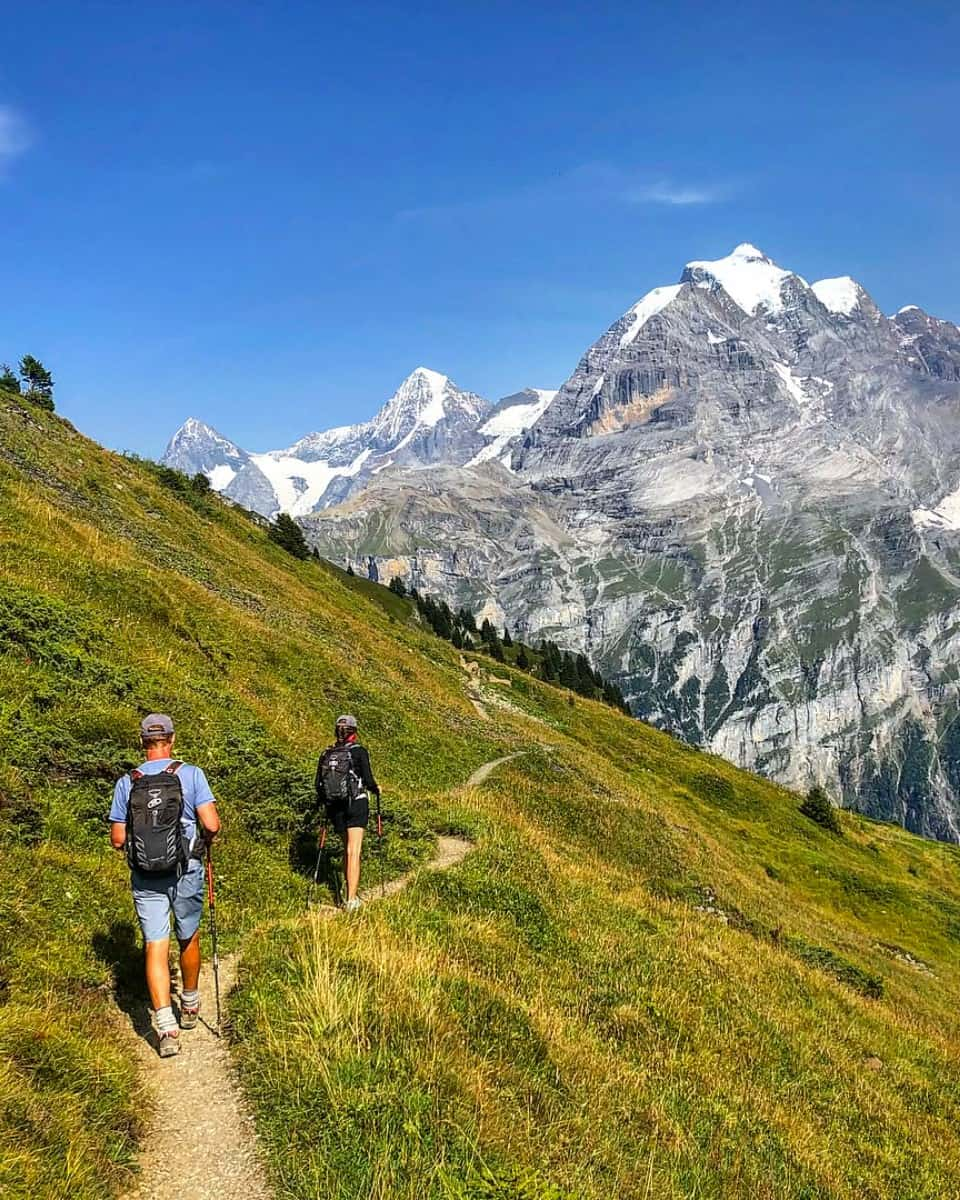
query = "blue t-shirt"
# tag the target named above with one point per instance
(196, 792)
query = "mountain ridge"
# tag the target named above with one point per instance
(759, 493)
(428, 419)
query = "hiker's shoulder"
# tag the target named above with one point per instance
(191, 776)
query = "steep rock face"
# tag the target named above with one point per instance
(929, 344)
(753, 491)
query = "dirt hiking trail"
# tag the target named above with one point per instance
(202, 1142)
(481, 773)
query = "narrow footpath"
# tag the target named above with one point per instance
(203, 1145)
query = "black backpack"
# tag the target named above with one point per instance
(155, 841)
(338, 780)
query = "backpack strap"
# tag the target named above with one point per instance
(135, 774)
(173, 768)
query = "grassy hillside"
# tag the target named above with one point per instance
(653, 976)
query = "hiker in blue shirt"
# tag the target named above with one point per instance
(163, 815)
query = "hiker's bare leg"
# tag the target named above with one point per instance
(354, 841)
(158, 973)
(190, 963)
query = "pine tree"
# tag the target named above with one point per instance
(397, 586)
(507, 639)
(467, 620)
(496, 649)
(9, 381)
(487, 631)
(467, 642)
(585, 683)
(818, 808)
(39, 382)
(350, 570)
(568, 672)
(521, 660)
(288, 534)
(457, 638)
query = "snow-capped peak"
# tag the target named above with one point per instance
(750, 279)
(433, 409)
(839, 295)
(197, 437)
(512, 416)
(422, 401)
(195, 430)
(197, 447)
(193, 426)
(652, 303)
(418, 401)
(748, 251)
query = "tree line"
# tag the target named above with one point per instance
(547, 661)
(32, 381)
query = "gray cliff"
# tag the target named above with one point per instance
(744, 504)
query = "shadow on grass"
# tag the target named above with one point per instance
(322, 870)
(121, 950)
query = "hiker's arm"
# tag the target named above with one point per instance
(209, 820)
(206, 807)
(118, 813)
(318, 785)
(365, 772)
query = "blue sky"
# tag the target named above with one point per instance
(266, 215)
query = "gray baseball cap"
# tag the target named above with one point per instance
(156, 725)
(348, 721)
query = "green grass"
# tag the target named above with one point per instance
(653, 976)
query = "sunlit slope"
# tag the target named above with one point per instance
(653, 977)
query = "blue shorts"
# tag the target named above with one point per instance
(156, 896)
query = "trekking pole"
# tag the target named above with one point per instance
(380, 846)
(315, 883)
(213, 933)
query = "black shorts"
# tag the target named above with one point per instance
(357, 816)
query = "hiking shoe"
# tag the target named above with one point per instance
(352, 905)
(168, 1043)
(189, 1016)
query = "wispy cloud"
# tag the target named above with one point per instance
(665, 192)
(15, 135)
(592, 183)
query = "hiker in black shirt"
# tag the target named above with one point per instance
(344, 784)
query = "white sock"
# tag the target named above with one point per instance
(190, 999)
(166, 1021)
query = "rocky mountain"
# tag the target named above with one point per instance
(428, 419)
(197, 448)
(744, 504)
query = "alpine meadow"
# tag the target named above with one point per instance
(652, 976)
